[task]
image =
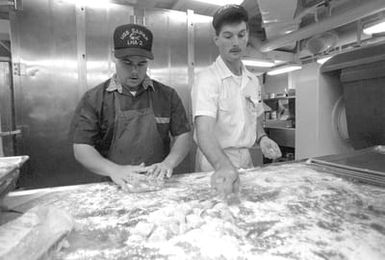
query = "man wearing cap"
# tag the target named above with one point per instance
(226, 101)
(121, 127)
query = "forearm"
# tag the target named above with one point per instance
(90, 158)
(209, 144)
(260, 131)
(179, 150)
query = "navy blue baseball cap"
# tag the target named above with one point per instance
(132, 40)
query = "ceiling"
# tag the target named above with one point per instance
(271, 21)
(284, 27)
(204, 9)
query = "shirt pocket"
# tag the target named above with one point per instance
(163, 126)
(228, 112)
(254, 105)
(162, 120)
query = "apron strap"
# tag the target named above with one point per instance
(116, 104)
(118, 107)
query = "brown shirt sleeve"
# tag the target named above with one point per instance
(179, 123)
(84, 126)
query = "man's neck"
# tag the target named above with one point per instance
(234, 66)
(128, 88)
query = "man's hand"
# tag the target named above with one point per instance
(159, 170)
(270, 149)
(128, 175)
(225, 182)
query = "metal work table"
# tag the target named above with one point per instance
(288, 211)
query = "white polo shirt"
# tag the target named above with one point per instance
(234, 101)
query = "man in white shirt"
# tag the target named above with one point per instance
(226, 100)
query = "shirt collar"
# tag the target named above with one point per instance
(116, 85)
(225, 72)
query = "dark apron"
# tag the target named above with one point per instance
(136, 138)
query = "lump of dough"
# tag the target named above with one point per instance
(160, 234)
(143, 229)
(220, 206)
(172, 225)
(194, 221)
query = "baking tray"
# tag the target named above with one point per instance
(366, 165)
(9, 172)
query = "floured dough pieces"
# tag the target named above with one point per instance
(144, 184)
(33, 234)
(177, 219)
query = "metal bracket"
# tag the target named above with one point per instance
(19, 69)
(138, 19)
(16, 4)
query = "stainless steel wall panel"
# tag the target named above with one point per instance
(80, 12)
(97, 43)
(5, 110)
(205, 50)
(44, 42)
(169, 47)
(100, 24)
(61, 50)
(191, 77)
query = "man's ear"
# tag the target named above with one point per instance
(113, 58)
(215, 39)
(248, 34)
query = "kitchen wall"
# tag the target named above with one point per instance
(6, 148)
(276, 84)
(64, 49)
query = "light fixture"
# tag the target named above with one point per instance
(258, 63)
(378, 27)
(284, 69)
(97, 4)
(322, 60)
(221, 2)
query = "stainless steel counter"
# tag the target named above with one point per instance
(288, 211)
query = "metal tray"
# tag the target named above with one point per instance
(366, 165)
(9, 173)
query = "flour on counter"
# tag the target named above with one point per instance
(286, 212)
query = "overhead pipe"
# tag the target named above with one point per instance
(337, 20)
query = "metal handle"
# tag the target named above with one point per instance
(15, 132)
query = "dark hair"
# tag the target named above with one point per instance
(229, 14)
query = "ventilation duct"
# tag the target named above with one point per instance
(278, 19)
(339, 18)
(322, 42)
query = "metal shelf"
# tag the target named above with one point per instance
(278, 98)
